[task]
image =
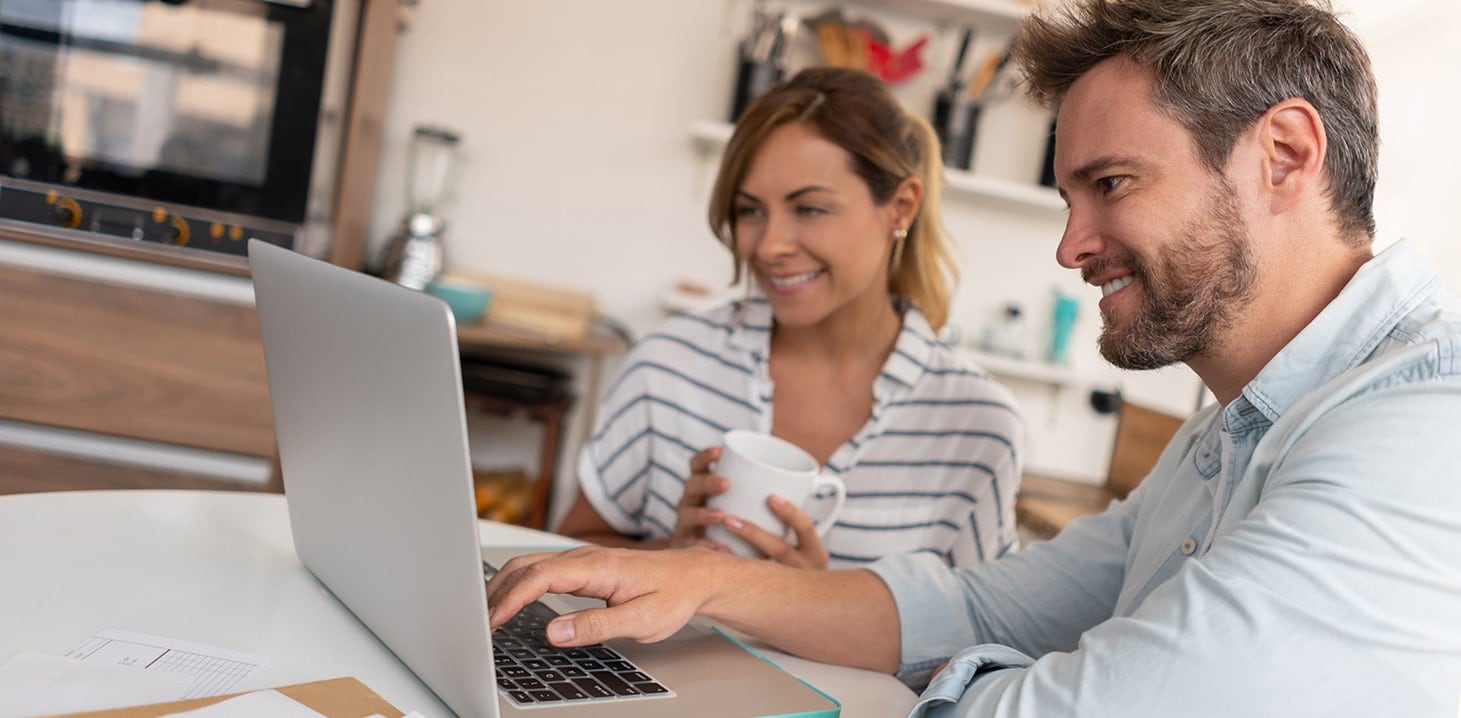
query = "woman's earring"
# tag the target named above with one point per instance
(896, 260)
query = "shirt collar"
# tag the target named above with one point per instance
(1346, 332)
(908, 361)
(912, 351)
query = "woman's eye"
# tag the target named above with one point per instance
(744, 211)
(807, 210)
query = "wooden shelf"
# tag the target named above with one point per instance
(711, 137)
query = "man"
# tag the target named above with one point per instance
(1297, 548)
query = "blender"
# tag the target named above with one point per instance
(414, 255)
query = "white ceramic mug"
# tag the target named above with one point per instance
(757, 466)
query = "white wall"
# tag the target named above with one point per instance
(579, 169)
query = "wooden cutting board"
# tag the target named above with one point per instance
(532, 310)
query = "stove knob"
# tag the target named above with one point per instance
(66, 212)
(177, 231)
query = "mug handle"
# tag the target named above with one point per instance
(839, 490)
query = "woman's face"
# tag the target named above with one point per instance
(809, 232)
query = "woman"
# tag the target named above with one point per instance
(827, 197)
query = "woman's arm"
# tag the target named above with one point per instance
(584, 523)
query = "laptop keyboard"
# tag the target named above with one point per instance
(531, 672)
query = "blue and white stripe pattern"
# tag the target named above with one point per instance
(935, 468)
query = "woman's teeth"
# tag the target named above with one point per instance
(793, 280)
(1116, 285)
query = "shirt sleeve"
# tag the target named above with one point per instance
(613, 466)
(1035, 601)
(1336, 595)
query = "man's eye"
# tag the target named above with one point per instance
(1107, 185)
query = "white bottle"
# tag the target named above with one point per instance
(1007, 335)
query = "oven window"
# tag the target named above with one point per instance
(208, 103)
(143, 86)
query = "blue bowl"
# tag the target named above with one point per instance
(468, 301)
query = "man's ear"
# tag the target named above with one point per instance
(1293, 145)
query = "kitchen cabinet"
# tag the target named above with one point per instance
(97, 361)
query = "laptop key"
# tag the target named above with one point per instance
(614, 683)
(568, 690)
(593, 687)
(543, 673)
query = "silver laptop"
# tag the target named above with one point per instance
(367, 395)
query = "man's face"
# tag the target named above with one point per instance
(1164, 238)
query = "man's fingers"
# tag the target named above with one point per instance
(596, 625)
(525, 579)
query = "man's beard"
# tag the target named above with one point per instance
(1190, 292)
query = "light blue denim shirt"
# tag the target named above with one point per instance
(1294, 553)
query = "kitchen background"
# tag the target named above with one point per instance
(589, 138)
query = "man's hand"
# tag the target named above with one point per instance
(650, 595)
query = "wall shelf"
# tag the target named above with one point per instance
(983, 13)
(710, 138)
(1026, 369)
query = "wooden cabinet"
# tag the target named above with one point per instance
(120, 361)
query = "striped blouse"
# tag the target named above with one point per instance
(935, 468)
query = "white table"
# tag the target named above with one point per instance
(219, 568)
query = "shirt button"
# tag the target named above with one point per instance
(1188, 546)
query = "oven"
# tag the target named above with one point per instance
(173, 127)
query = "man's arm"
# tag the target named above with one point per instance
(1335, 595)
(843, 617)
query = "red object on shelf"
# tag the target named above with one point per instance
(895, 66)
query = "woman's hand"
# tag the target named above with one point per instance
(808, 551)
(693, 514)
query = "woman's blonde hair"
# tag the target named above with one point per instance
(887, 145)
